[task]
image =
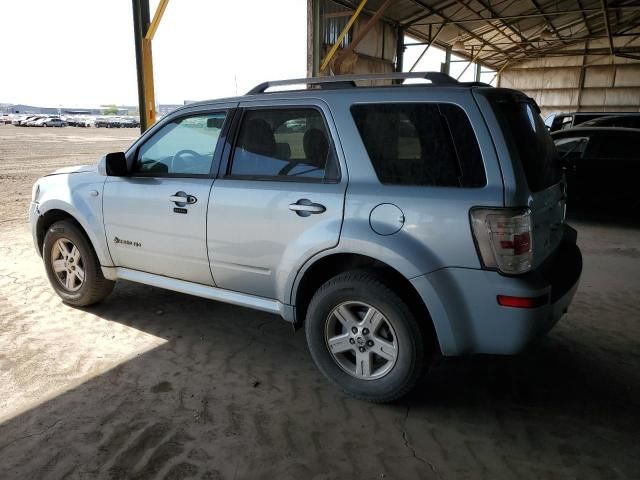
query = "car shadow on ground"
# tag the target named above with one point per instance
(233, 393)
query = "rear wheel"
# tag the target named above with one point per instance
(72, 266)
(365, 338)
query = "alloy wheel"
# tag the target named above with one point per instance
(361, 340)
(67, 264)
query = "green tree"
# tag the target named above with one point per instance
(111, 110)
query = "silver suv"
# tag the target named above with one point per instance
(394, 223)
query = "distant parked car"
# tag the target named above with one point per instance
(23, 121)
(108, 122)
(130, 122)
(79, 121)
(85, 122)
(5, 119)
(33, 122)
(602, 166)
(624, 121)
(53, 122)
(563, 121)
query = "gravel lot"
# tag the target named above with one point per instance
(156, 384)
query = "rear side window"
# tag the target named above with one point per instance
(527, 138)
(289, 144)
(423, 144)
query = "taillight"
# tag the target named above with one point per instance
(504, 238)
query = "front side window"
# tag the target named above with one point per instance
(422, 144)
(182, 147)
(289, 144)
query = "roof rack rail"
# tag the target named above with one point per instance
(348, 81)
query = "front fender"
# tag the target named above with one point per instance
(80, 196)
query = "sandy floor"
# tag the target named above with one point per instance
(155, 384)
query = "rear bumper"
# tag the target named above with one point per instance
(466, 314)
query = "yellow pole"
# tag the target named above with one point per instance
(147, 64)
(153, 26)
(346, 28)
(149, 90)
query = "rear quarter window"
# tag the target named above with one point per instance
(420, 144)
(527, 138)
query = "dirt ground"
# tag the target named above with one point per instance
(156, 384)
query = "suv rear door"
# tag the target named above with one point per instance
(529, 162)
(279, 197)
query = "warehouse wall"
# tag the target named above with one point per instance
(374, 54)
(579, 82)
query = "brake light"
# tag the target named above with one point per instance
(520, 244)
(504, 238)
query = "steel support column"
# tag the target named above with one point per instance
(399, 49)
(144, 29)
(446, 66)
(141, 20)
(316, 38)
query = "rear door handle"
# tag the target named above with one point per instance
(305, 207)
(183, 198)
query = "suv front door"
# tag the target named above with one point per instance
(155, 218)
(279, 197)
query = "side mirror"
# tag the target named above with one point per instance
(113, 165)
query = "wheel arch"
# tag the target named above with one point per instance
(48, 218)
(333, 264)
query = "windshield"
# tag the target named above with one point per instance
(527, 138)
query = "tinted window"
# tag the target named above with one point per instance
(571, 147)
(424, 144)
(625, 121)
(527, 138)
(183, 147)
(284, 144)
(614, 145)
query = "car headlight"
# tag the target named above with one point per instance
(35, 192)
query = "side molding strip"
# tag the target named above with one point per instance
(204, 291)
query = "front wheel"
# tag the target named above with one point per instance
(365, 338)
(72, 266)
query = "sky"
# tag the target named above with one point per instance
(81, 52)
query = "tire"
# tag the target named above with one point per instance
(358, 292)
(66, 239)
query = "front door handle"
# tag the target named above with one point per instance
(181, 199)
(305, 207)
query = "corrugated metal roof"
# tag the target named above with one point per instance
(508, 31)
